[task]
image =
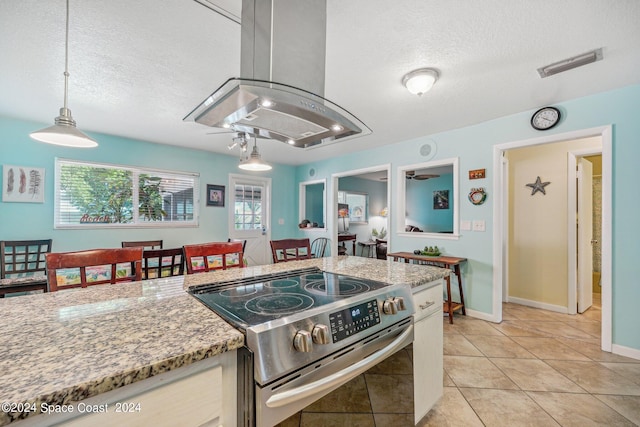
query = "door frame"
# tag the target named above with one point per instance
(266, 219)
(333, 202)
(500, 211)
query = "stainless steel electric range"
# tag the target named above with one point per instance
(306, 333)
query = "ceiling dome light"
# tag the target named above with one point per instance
(420, 81)
(64, 131)
(254, 162)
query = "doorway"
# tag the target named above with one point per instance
(501, 216)
(250, 216)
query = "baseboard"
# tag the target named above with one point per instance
(538, 304)
(621, 350)
(482, 316)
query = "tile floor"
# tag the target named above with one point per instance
(536, 368)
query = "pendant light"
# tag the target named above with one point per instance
(254, 162)
(64, 131)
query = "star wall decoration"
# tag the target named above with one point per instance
(538, 186)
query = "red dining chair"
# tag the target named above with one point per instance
(213, 256)
(290, 250)
(93, 267)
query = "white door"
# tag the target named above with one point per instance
(585, 233)
(250, 216)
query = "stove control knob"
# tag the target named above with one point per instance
(390, 306)
(400, 303)
(320, 334)
(302, 341)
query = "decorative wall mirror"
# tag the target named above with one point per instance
(313, 203)
(428, 202)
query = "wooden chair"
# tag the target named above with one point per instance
(23, 265)
(93, 267)
(319, 246)
(290, 250)
(158, 263)
(146, 244)
(381, 249)
(213, 256)
(244, 243)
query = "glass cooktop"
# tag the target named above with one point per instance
(252, 301)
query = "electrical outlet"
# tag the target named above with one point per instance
(281, 221)
(478, 225)
(465, 225)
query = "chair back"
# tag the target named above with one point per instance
(213, 256)
(158, 263)
(146, 244)
(290, 250)
(243, 241)
(23, 257)
(381, 249)
(319, 246)
(93, 267)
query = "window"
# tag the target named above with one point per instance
(428, 206)
(312, 203)
(94, 195)
(248, 207)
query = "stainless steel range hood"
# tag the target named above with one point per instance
(280, 93)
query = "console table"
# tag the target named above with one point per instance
(450, 262)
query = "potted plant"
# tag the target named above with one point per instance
(379, 234)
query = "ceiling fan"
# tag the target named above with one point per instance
(420, 177)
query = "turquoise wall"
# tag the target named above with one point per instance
(35, 221)
(473, 145)
(420, 204)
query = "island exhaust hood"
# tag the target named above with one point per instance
(280, 92)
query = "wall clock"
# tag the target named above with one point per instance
(545, 118)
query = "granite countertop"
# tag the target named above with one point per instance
(66, 346)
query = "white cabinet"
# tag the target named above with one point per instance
(427, 348)
(200, 394)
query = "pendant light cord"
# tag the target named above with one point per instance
(66, 58)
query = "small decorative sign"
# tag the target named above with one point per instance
(477, 173)
(215, 195)
(477, 196)
(96, 219)
(22, 184)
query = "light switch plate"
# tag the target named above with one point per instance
(478, 225)
(465, 225)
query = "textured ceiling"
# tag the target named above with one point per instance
(138, 67)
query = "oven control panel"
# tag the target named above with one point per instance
(351, 320)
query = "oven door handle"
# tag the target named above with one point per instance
(302, 392)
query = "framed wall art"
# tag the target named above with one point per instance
(22, 184)
(441, 199)
(215, 195)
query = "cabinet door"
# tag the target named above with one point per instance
(427, 364)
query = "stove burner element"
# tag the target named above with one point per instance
(279, 284)
(278, 304)
(239, 292)
(345, 288)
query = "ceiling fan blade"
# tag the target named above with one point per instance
(424, 176)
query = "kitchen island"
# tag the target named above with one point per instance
(64, 347)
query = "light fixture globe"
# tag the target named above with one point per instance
(254, 162)
(420, 81)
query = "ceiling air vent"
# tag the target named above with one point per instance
(571, 63)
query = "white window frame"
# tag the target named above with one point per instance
(135, 191)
